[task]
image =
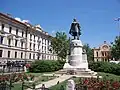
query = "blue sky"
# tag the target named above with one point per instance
(96, 17)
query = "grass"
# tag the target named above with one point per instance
(107, 76)
(35, 74)
(17, 86)
(59, 86)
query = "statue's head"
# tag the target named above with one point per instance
(74, 20)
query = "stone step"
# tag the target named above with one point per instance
(78, 72)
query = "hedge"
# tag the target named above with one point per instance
(106, 67)
(46, 66)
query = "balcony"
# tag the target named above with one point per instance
(2, 32)
(10, 36)
(23, 40)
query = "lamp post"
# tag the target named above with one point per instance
(118, 21)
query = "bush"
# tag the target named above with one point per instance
(46, 66)
(106, 67)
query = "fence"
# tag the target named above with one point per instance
(12, 67)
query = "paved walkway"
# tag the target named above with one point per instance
(61, 78)
(54, 81)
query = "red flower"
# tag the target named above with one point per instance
(86, 81)
(27, 65)
(115, 85)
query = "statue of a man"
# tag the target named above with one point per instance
(75, 29)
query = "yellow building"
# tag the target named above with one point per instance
(102, 53)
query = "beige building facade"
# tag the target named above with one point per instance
(102, 53)
(22, 41)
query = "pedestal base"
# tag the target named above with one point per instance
(80, 70)
(80, 67)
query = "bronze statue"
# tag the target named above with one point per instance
(75, 29)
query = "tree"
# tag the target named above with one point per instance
(60, 44)
(89, 52)
(115, 49)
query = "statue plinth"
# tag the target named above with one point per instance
(77, 60)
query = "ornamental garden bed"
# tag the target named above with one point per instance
(21, 81)
(108, 82)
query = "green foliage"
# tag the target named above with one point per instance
(89, 52)
(60, 44)
(115, 52)
(105, 67)
(60, 86)
(46, 66)
(107, 76)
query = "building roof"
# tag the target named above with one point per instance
(27, 24)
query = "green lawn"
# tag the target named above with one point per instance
(17, 87)
(35, 74)
(59, 86)
(108, 76)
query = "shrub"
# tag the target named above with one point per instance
(106, 67)
(46, 66)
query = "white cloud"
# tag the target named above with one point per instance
(18, 19)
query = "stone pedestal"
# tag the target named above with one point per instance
(76, 62)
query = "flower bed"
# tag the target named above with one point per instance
(97, 84)
(107, 82)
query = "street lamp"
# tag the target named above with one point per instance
(118, 19)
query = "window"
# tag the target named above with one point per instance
(105, 59)
(34, 37)
(0, 53)
(21, 44)
(45, 49)
(3, 27)
(8, 54)
(30, 36)
(38, 45)
(30, 56)
(30, 45)
(102, 53)
(9, 42)
(34, 47)
(45, 41)
(21, 54)
(15, 54)
(97, 54)
(10, 29)
(22, 33)
(97, 59)
(33, 56)
(16, 43)
(1, 40)
(105, 53)
(38, 57)
(38, 39)
(16, 31)
(26, 34)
